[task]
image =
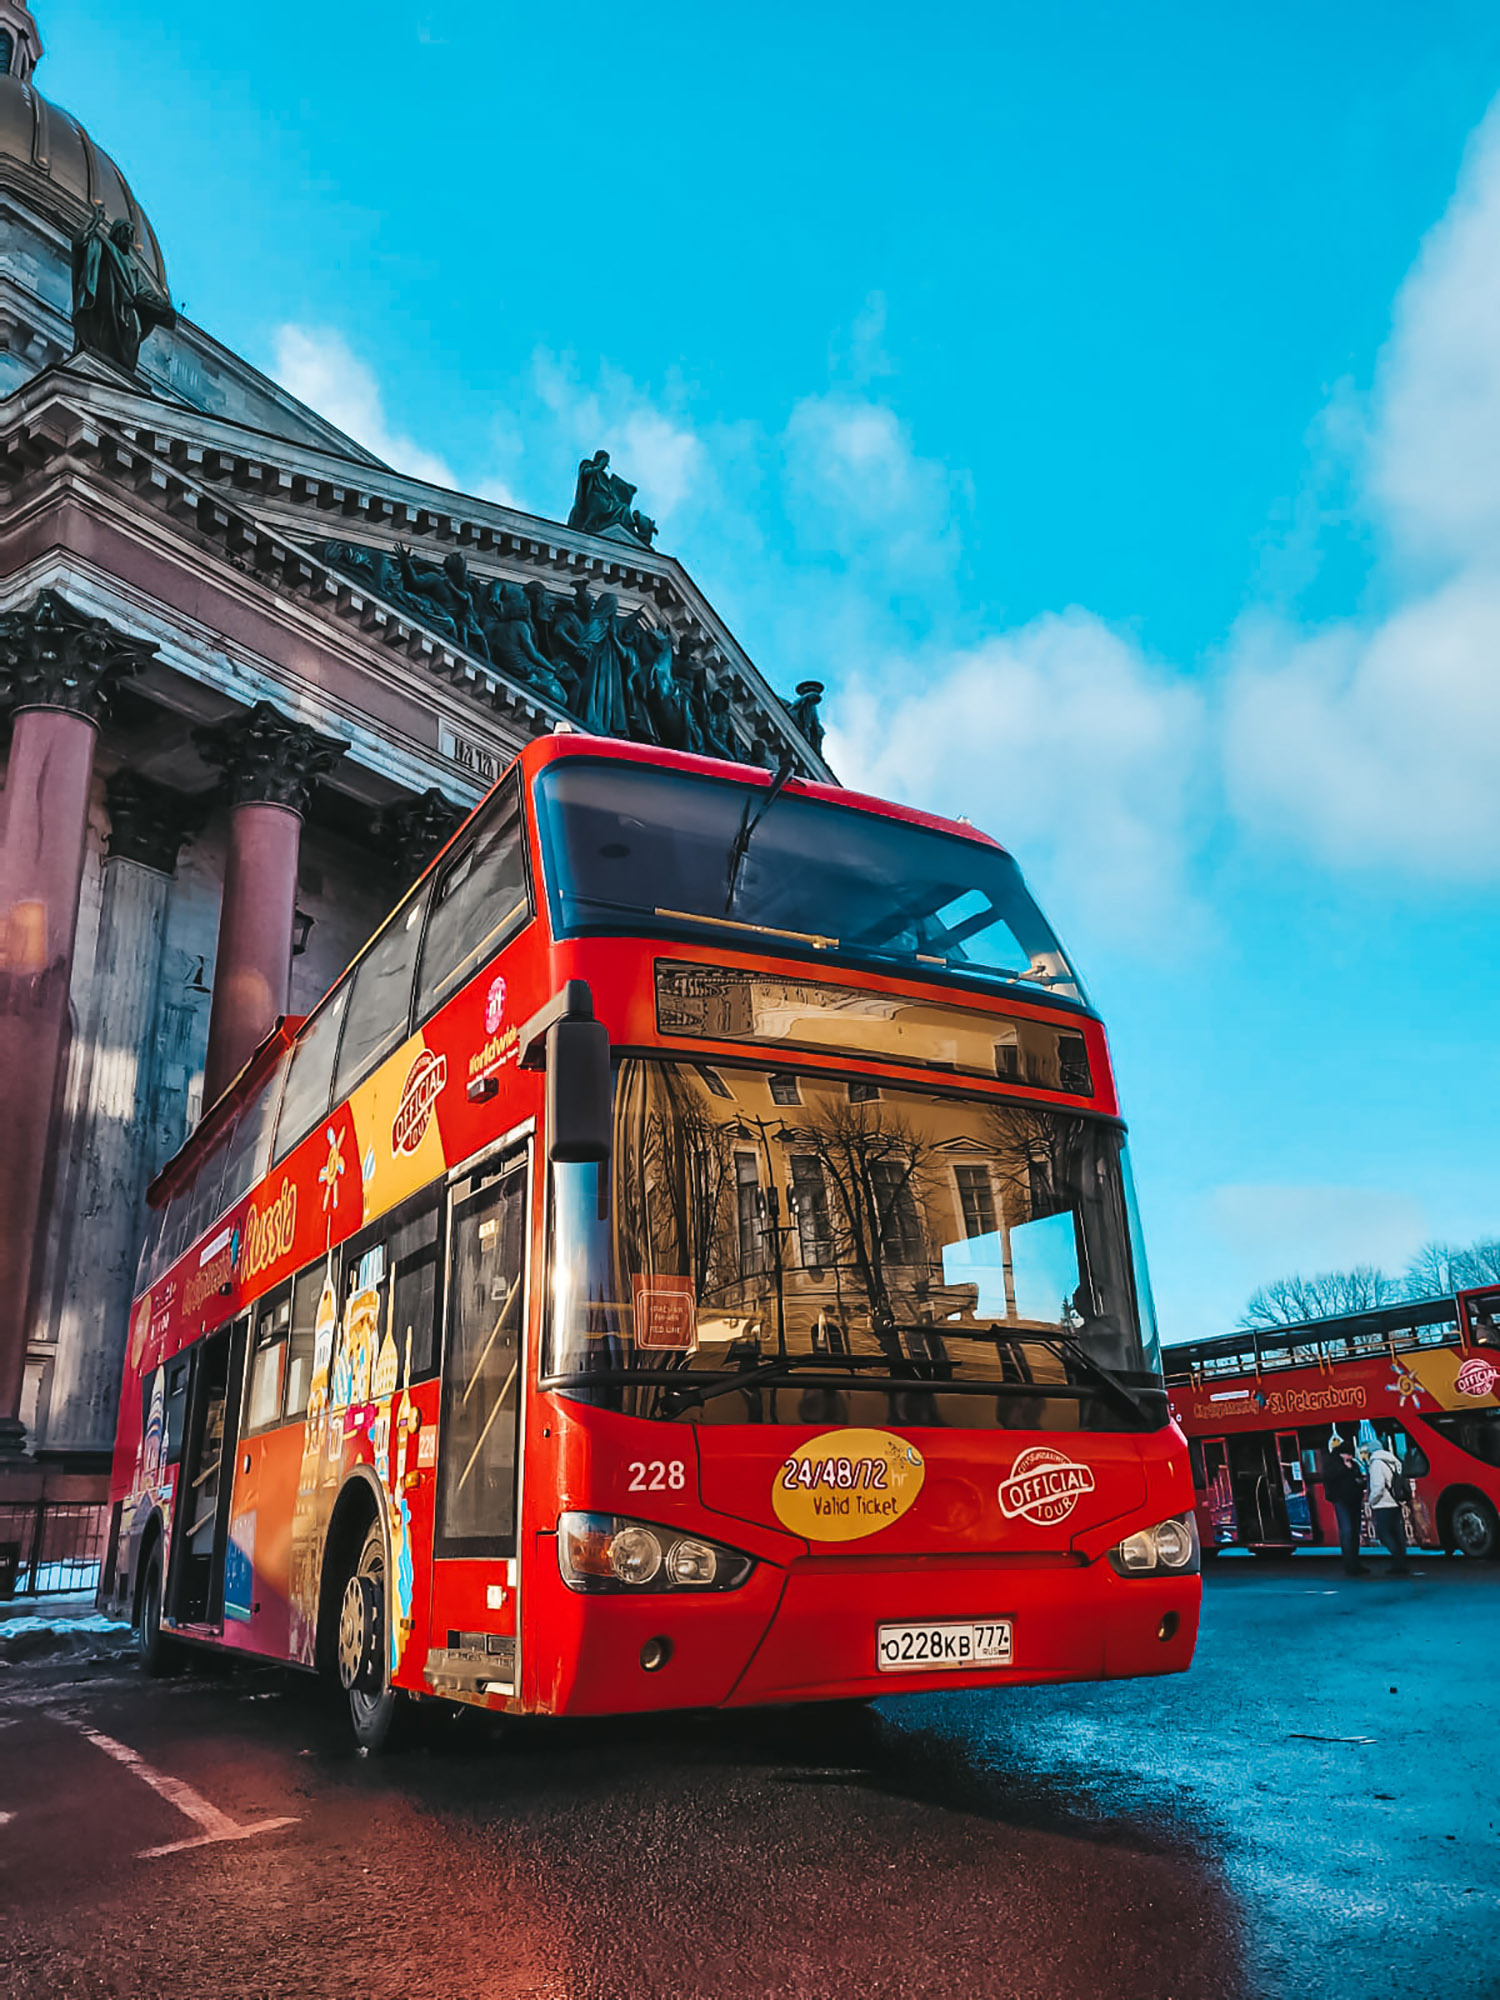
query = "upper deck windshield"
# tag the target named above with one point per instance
(631, 847)
(857, 1252)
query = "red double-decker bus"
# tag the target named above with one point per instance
(688, 1259)
(1262, 1408)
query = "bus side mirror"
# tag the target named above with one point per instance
(566, 1040)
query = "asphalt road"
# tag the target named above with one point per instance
(1312, 1811)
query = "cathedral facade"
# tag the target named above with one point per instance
(250, 679)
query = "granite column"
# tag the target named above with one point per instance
(269, 764)
(57, 667)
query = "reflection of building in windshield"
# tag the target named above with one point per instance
(852, 1218)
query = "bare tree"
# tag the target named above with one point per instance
(1440, 1269)
(1326, 1295)
(673, 1208)
(876, 1164)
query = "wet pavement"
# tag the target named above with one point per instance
(1312, 1810)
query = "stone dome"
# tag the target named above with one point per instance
(51, 164)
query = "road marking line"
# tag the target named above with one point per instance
(6, 1818)
(216, 1825)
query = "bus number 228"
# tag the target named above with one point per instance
(658, 1476)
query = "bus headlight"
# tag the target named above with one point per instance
(1168, 1549)
(606, 1552)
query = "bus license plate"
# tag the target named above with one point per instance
(906, 1649)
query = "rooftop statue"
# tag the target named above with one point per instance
(116, 300)
(602, 501)
(804, 712)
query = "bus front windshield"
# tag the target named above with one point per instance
(630, 846)
(839, 1241)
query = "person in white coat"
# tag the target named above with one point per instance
(1385, 1508)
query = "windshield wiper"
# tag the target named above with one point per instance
(1056, 1343)
(740, 846)
(739, 924)
(767, 1371)
(1065, 1343)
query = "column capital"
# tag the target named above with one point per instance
(267, 758)
(412, 830)
(148, 823)
(55, 656)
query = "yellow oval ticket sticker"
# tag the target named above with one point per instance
(846, 1484)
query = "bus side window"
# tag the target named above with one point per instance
(268, 1361)
(482, 899)
(299, 1367)
(414, 1286)
(379, 1007)
(1414, 1461)
(176, 1409)
(305, 1098)
(252, 1137)
(1195, 1459)
(206, 1184)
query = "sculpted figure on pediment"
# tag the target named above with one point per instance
(601, 698)
(510, 630)
(444, 594)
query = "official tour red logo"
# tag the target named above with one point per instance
(1477, 1377)
(424, 1081)
(1044, 1485)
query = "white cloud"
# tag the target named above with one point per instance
(1379, 745)
(1372, 739)
(1063, 741)
(1435, 453)
(320, 368)
(857, 489)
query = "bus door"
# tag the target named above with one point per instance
(200, 1525)
(1259, 1506)
(1294, 1486)
(1220, 1490)
(474, 1632)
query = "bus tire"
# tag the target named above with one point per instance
(377, 1711)
(1474, 1527)
(158, 1655)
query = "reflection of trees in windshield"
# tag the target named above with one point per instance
(842, 1218)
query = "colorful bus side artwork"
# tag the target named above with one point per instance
(689, 1259)
(1260, 1410)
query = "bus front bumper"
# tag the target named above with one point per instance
(809, 1633)
(1069, 1622)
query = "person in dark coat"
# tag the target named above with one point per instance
(1344, 1486)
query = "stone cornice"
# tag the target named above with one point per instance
(257, 495)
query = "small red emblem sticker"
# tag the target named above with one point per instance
(494, 1006)
(424, 1081)
(1477, 1377)
(1044, 1485)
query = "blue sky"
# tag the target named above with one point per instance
(1105, 401)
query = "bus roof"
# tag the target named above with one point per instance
(548, 749)
(533, 757)
(1347, 1328)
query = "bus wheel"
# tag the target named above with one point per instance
(157, 1653)
(375, 1707)
(1474, 1526)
